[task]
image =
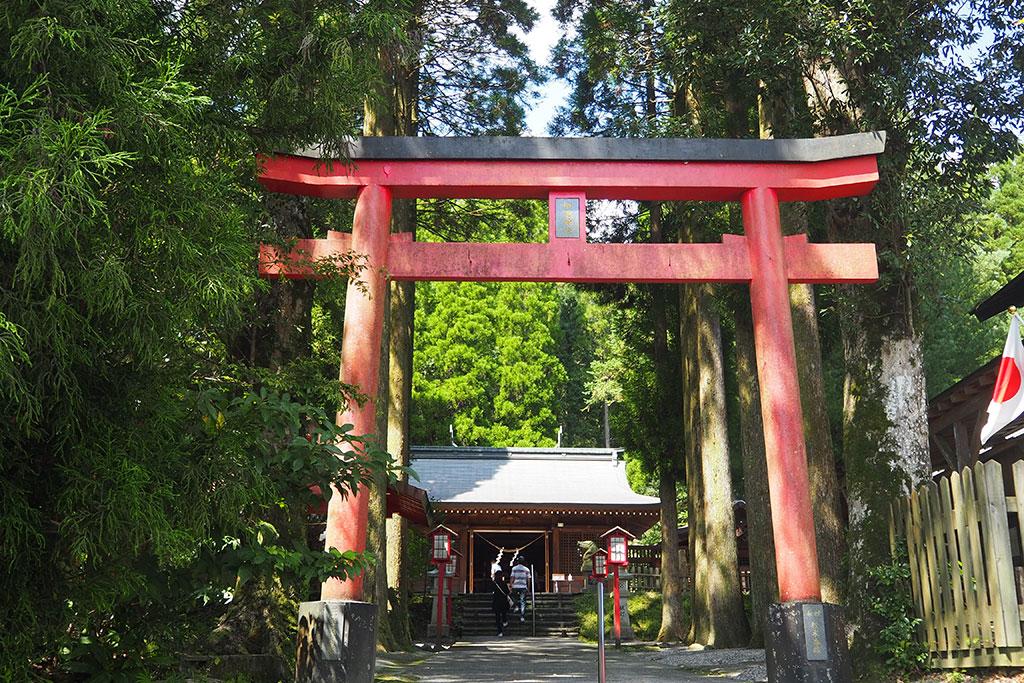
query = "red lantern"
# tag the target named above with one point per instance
(440, 544)
(618, 542)
(600, 565)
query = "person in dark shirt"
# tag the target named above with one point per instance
(501, 600)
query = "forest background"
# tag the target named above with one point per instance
(165, 410)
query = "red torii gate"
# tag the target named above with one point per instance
(757, 173)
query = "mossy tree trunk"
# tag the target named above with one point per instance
(376, 538)
(727, 621)
(668, 368)
(260, 618)
(379, 120)
(885, 425)
(885, 428)
(764, 588)
(403, 307)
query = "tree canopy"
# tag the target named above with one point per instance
(166, 411)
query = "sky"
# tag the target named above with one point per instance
(540, 40)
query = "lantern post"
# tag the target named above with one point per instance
(440, 555)
(451, 570)
(598, 572)
(618, 556)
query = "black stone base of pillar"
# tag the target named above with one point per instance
(337, 642)
(806, 643)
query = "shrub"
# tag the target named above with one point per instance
(892, 603)
(644, 614)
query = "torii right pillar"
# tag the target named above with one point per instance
(805, 638)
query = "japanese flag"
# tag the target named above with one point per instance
(1007, 397)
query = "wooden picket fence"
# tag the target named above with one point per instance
(962, 574)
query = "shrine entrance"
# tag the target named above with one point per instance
(806, 639)
(487, 545)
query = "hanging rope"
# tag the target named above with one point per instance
(502, 551)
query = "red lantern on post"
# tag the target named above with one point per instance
(440, 544)
(618, 556)
(618, 546)
(440, 555)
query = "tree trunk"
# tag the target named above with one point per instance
(696, 549)
(764, 588)
(727, 621)
(829, 526)
(885, 425)
(376, 536)
(399, 401)
(403, 309)
(673, 622)
(256, 621)
(673, 618)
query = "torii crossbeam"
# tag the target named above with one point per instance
(757, 173)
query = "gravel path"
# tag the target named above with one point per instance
(535, 660)
(734, 664)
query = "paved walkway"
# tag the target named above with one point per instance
(535, 660)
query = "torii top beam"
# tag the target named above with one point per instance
(665, 169)
(590, 168)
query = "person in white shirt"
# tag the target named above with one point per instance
(495, 568)
(521, 585)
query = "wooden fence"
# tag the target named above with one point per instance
(962, 573)
(645, 567)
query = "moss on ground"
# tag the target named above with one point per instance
(644, 614)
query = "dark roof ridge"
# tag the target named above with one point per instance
(513, 452)
(398, 148)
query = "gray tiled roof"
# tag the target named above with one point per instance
(527, 476)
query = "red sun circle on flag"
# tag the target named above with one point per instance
(1007, 381)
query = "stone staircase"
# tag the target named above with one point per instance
(556, 616)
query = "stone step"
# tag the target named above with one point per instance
(541, 616)
(519, 628)
(509, 633)
(555, 615)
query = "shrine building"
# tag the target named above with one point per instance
(541, 501)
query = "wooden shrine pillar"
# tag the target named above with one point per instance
(796, 554)
(360, 362)
(805, 639)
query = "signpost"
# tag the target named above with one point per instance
(451, 569)
(598, 573)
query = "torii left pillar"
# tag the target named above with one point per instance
(337, 634)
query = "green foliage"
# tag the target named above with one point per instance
(475, 73)
(891, 603)
(955, 342)
(485, 361)
(644, 614)
(143, 476)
